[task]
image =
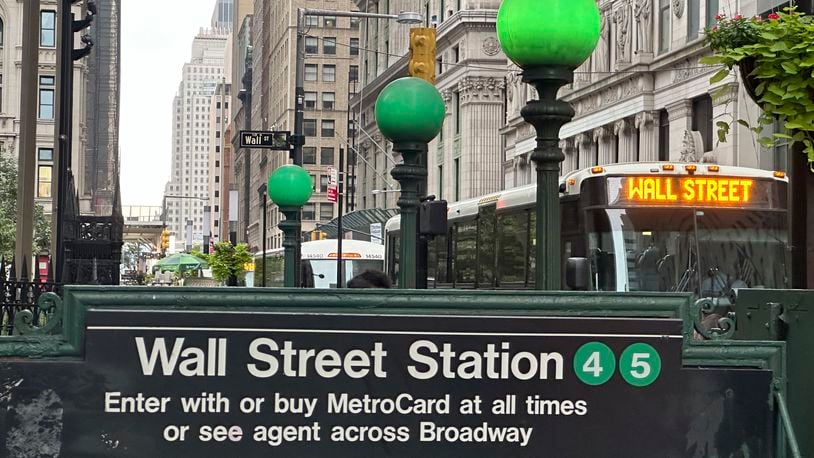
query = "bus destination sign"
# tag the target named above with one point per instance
(703, 191)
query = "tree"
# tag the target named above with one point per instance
(200, 255)
(8, 213)
(228, 261)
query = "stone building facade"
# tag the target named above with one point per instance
(643, 95)
(465, 159)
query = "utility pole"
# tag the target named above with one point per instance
(28, 137)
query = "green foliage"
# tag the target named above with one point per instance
(229, 260)
(8, 213)
(199, 254)
(782, 50)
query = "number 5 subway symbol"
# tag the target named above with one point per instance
(595, 364)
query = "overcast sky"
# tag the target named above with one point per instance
(156, 41)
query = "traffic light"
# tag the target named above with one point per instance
(422, 53)
(80, 24)
(165, 240)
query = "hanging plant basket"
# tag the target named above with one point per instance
(746, 67)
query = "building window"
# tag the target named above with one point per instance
(326, 156)
(664, 136)
(439, 65)
(45, 157)
(441, 182)
(456, 54)
(353, 73)
(309, 155)
(456, 101)
(311, 45)
(329, 21)
(702, 119)
(664, 25)
(311, 21)
(310, 100)
(48, 24)
(329, 73)
(328, 127)
(309, 127)
(693, 18)
(310, 72)
(326, 212)
(354, 23)
(457, 183)
(354, 46)
(328, 99)
(329, 45)
(46, 109)
(712, 11)
(2, 29)
(323, 183)
(308, 212)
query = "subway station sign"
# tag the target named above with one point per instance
(231, 383)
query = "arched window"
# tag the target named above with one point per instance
(2, 32)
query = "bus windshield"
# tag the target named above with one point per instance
(324, 270)
(683, 249)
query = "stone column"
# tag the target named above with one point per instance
(679, 113)
(723, 106)
(568, 147)
(585, 150)
(603, 137)
(482, 112)
(624, 130)
(645, 121)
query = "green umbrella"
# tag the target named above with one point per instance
(180, 262)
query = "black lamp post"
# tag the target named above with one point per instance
(290, 188)
(548, 44)
(261, 191)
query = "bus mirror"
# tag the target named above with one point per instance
(432, 217)
(577, 274)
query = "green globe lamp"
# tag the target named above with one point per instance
(410, 113)
(290, 187)
(548, 42)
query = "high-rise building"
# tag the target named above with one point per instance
(331, 53)
(219, 114)
(101, 155)
(223, 15)
(643, 95)
(84, 167)
(464, 161)
(187, 192)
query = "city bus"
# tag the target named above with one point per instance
(319, 260)
(700, 228)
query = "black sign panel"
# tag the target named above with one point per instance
(203, 383)
(265, 139)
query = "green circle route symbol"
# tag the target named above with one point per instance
(594, 363)
(640, 364)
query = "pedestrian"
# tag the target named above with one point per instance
(370, 279)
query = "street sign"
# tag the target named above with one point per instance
(185, 383)
(333, 184)
(376, 233)
(278, 140)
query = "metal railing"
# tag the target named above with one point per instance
(18, 294)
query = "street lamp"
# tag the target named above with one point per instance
(409, 113)
(290, 187)
(261, 191)
(548, 44)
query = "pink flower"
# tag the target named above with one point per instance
(758, 19)
(720, 16)
(774, 16)
(737, 17)
(714, 28)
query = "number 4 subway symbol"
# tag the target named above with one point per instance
(595, 363)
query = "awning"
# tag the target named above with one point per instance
(358, 222)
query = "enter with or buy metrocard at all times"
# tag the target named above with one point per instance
(295, 384)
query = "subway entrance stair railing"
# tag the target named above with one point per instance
(90, 346)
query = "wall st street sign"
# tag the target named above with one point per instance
(278, 140)
(184, 382)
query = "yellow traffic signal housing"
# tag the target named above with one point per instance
(165, 240)
(422, 53)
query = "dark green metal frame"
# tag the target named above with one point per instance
(62, 334)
